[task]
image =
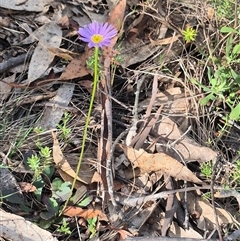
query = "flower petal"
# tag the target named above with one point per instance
(104, 28)
(84, 39)
(93, 27)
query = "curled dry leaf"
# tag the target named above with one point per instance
(159, 162)
(187, 147)
(124, 234)
(64, 169)
(206, 210)
(63, 53)
(203, 212)
(115, 19)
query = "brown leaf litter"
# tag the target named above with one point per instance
(148, 162)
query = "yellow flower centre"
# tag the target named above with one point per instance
(97, 38)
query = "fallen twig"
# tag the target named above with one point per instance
(212, 196)
(133, 202)
(14, 61)
(166, 239)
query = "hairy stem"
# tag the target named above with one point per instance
(94, 90)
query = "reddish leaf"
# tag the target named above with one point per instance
(72, 211)
(124, 234)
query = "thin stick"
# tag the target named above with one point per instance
(133, 202)
(213, 199)
(109, 172)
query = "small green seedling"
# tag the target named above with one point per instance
(38, 130)
(236, 172)
(37, 163)
(92, 226)
(189, 34)
(63, 127)
(206, 196)
(64, 228)
(207, 169)
(34, 165)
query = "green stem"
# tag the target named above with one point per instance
(94, 90)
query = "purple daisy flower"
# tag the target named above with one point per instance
(97, 34)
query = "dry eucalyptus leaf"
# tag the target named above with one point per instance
(73, 211)
(134, 49)
(124, 234)
(203, 211)
(34, 36)
(62, 53)
(50, 36)
(14, 227)
(173, 99)
(76, 68)
(117, 14)
(187, 147)
(27, 5)
(206, 210)
(64, 169)
(165, 41)
(136, 53)
(176, 231)
(228, 193)
(159, 162)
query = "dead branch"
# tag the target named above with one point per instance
(167, 239)
(14, 61)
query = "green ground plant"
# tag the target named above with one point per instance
(92, 222)
(207, 169)
(224, 80)
(235, 175)
(39, 162)
(189, 34)
(64, 228)
(224, 8)
(206, 196)
(63, 126)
